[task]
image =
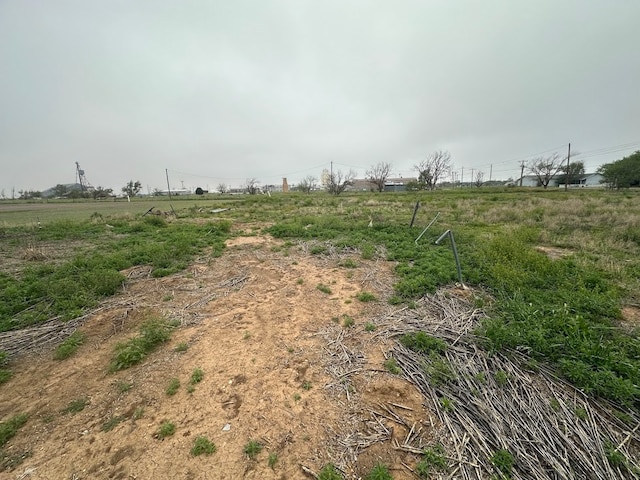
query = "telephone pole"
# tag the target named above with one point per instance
(521, 171)
(490, 171)
(567, 177)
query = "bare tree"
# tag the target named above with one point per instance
(222, 188)
(307, 184)
(251, 186)
(479, 180)
(431, 169)
(378, 174)
(339, 181)
(545, 168)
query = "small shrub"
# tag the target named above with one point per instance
(366, 297)
(166, 430)
(196, 376)
(391, 365)
(503, 461)
(172, 388)
(439, 370)
(379, 472)
(329, 472)
(182, 347)
(202, 446)
(581, 413)
(615, 457)
(138, 413)
(76, 406)
(9, 428)
(306, 385)
(369, 327)
(300, 281)
(252, 449)
(297, 397)
(323, 288)
(272, 460)
(348, 321)
(70, 346)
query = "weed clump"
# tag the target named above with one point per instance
(202, 446)
(366, 297)
(69, 347)
(379, 472)
(152, 333)
(252, 449)
(166, 430)
(76, 406)
(503, 461)
(423, 343)
(391, 366)
(329, 472)
(432, 459)
(9, 428)
(173, 387)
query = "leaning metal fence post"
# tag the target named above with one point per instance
(427, 227)
(455, 252)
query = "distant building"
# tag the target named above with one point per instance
(584, 180)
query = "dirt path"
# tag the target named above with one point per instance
(279, 367)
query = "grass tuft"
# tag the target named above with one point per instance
(202, 446)
(69, 347)
(252, 449)
(153, 332)
(9, 428)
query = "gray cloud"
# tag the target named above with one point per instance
(230, 90)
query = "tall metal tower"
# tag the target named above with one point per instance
(82, 180)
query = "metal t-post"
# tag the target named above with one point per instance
(455, 252)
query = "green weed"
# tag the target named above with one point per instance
(391, 366)
(182, 347)
(166, 430)
(76, 406)
(366, 297)
(272, 460)
(9, 428)
(329, 472)
(123, 387)
(202, 446)
(173, 387)
(369, 327)
(503, 461)
(323, 288)
(252, 449)
(501, 378)
(306, 385)
(112, 423)
(69, 346)
(196, 376)
(153, 332)
(347, 321)
(379, 472)
(432, 459)
(423, 343)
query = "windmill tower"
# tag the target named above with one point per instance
(81, 179)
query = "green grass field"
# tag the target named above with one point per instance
(558, 267)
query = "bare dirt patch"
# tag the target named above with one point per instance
(279, 367)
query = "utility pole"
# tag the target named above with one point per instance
(567, 177)
(472, 170)
(462, 177)
(490, 171)
(521, 171)
(332, 169)
(166, 171)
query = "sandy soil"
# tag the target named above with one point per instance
(261, 331)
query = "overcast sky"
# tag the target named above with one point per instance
(220, 91)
